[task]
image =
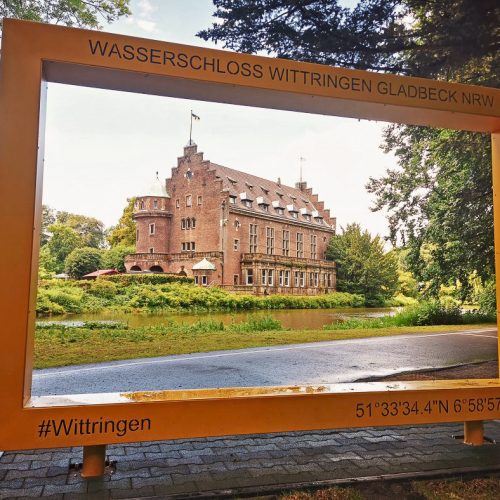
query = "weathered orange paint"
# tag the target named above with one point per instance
(33, 54)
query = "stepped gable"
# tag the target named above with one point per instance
(261, 190)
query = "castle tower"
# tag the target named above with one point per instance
(152, 218)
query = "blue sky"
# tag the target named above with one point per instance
(104, 146)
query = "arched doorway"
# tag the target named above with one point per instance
(156, 269)
(135, 268)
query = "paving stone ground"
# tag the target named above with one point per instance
(247, 463)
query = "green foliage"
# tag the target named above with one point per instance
(363, 267)
(123, 234)
(46, 260)
(164, 292)
(440, 205)
(487, 298)
(82, 261)
(426, 313)
(48, 218)
(147, 279)
(91, 230)
(79, 13)
(418, 37)
(257, 324)
(63, 241)
(114, 258)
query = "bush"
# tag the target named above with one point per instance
(82, 261)
(147, 279)
(487, 298)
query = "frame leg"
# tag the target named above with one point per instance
(474, 433)
(94, 460)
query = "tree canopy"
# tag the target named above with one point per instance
(82, 261)
(363, 267)
(124, 232)
(439, 198)
(79, 13)
(417, 37)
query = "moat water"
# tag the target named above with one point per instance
(289, 318)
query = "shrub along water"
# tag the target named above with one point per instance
(431, 312)
(150, 293)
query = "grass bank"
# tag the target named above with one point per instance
(422, 314)
(128, 293)
(61, 346)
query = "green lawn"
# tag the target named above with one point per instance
(70, 346)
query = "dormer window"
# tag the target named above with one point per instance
(232, 200)
(263, 204)
(292, 209)
(277, 207)
(246, 199)
(266, 191)
(306, 214)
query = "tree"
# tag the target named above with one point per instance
(124, 232)
(91, 230)
(48, 218)
(439, 200)
(63, 241)
(114, 258)
(82, 261)
(362, 265)
(417, 37)
(80, 13)
(439, 204)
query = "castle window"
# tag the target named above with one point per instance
(302, 279)
(196, 280)
(152, 229)
(193, 223)
(286, 243)
(300, 245)
(188, 223)
(253, 238)
(247, 203)
(189, 200)
(264, 206)
(137, 234)
(155, 204)
(267, 277)
(142, 205)
(236, 245)
(151, 250)
(329, 280)
(183, 223)
(192, 246)
(249, 276)
(237, 224)
(280, 211)
(307, 217)
(297, 278)
(287, 278)
(294, 214)
(232, 200)
(200, 199)
(204, 280)
(270, 240)
(236, 279)
(281, 277)
(314, 247)
(177, 203)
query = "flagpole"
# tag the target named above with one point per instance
(191, 128)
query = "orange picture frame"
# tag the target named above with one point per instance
(33, 54)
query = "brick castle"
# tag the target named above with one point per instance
(231, 229)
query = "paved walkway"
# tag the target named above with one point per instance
(238, 465)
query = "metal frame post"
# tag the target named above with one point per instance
(94, 460)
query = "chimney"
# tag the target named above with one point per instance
(302, 185)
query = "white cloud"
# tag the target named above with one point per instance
(149, 26)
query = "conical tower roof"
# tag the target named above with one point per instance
(157, 188)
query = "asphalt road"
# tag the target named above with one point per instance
(315, 363)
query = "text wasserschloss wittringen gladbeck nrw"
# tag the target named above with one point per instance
(291, 76)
